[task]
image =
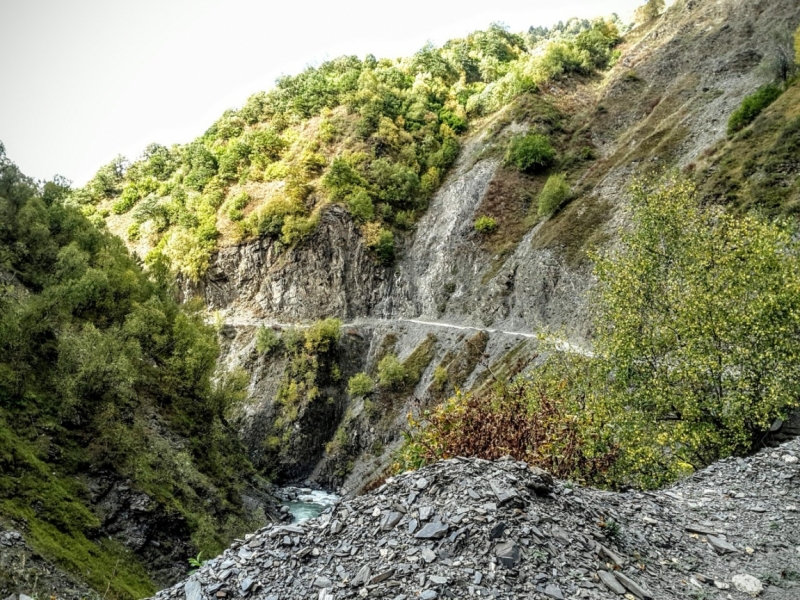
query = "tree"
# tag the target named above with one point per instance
(360, 384)
(391, 372)
(698, 320)
(554, 192)
(649, 11)
(531, 152)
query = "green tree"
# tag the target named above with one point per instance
(360, 384)
(391, 372)
(554, 192)
(698, 317)
(531, 152)
(649, 11)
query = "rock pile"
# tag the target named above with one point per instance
(473, 528)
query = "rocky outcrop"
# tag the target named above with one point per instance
(331, 274)
(663, 104)
(469, 527)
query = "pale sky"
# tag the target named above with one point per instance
(86, 80)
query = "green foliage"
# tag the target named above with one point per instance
(360, 205)
(698, 313)
(649, 11)
(391, 372)
(267, 341)
(752, 106)
(93, 352)
(553, 194)
(375, 135)
(323, 335)
(360, 384)
(485, 224)
(531, 152)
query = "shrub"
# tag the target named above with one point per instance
(296, 227)
(535, 421)
(360, 384)
(752, 106)
(713, 301)
(531, 153)
(554, 192)
(360, 205)
(649, 11)
(323, 335)
(485, 224)
(391, 372)
(267, 341)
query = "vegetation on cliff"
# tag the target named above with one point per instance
(696, 327)
(104, 377)
(375, 135)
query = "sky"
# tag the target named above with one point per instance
(86, 80)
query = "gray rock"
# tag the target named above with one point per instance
(428, 555)
(380, 577)
(633, 587)
(246, 584)
(497, 530)
(432, 531)
(721, 546)
(553, 591)
(748, 584)
(611, 582)
(508, 554)
(362, 576)
(192, 589)
(390, 520)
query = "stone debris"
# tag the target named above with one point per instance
(747, 584)
(470, 528)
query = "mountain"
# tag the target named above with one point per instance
(369, 245)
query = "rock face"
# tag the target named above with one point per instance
(554, 542)
(664, 104)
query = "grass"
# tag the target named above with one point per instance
(575, 229)
(58, 524)
(757, 168)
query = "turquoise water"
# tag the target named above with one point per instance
(311, 504)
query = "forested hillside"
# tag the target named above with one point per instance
(374, 135)
(116, 459)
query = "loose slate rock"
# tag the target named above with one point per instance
(554, 591)
(721, 546)
(432, 531)
(747, 584)
(193, 590)
(611, 582)
(633, 587)
(508, 554)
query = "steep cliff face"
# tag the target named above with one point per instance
(664, 103)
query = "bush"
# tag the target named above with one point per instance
(713, 301)
(752, 106)
(485, 224)
(530, 153)
(535, 421)
(360, 205)
(267, 341)
(391, 372)
(360, 384)
(323, 335)
(554, 192)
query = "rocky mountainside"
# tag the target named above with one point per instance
(473, 528)
(665, 104)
